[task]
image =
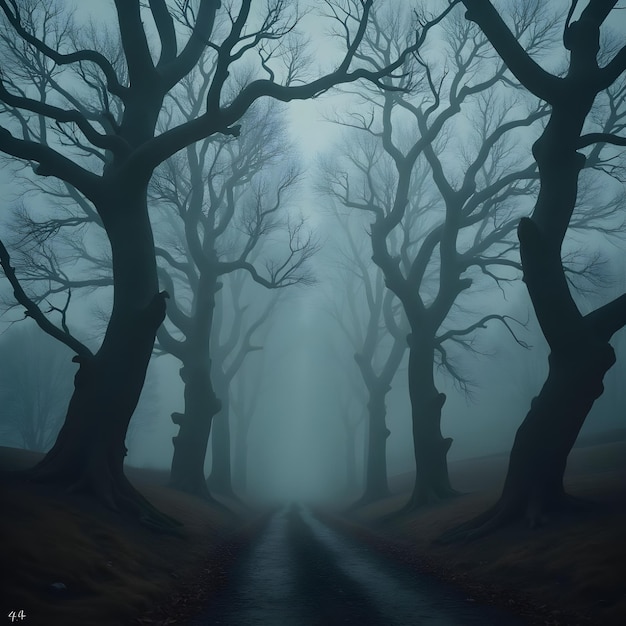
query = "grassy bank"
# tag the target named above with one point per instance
(571, 571)
(114, 572)
(65, 560)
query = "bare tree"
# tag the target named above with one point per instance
(580, 352)
(231, 344)
(352, 417)
(246, 392)
(229, 198)
(428, 239)
(93, 126)
(378, 341)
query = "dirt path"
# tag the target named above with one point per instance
(300, 572)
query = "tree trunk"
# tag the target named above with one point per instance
(89, 452)
(201, 403)
(534, 482)
(190, 445)
(578, 361)
(351, 475)
(580, 353)
(240, 467)
(220, 479)
(376, 485)
(432, 482)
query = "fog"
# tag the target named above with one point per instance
(305, 384)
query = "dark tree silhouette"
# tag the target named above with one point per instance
(229, 197)
(458, 229)
(431, 241)
(379, 343)
(580, 352)
(95, 129)
(352, 416)
(229, 350)
(246, 391)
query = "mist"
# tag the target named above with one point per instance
(287, 281)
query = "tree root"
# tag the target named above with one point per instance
(50, 469)
(200, 490)
(123, 497)
(114, 491)
(415, 504)
(428, 497)
(575, 504)
(508, 510)
(229, 494)
(151, 517)
(497, 516)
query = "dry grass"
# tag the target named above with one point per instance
(571, 571)
(113, 570)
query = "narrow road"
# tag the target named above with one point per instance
(301, 572)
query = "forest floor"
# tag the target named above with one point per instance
(66, 561)
(115, 573)
(570, 571)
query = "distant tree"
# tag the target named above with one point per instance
(219, 205)
(352, 416)
(87, 114)
(246, 393)
(378, 341)
(427, 237)
(35, 386)
(231, 343)
(580, 352)
(229, 204)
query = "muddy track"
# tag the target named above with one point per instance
(301, 572)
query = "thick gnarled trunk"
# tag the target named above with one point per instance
(89, 452)
(432, 482)
(190, 444)
(580, 353)
(534, 482)
(201, 403)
